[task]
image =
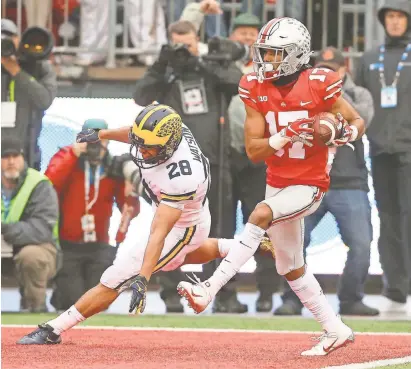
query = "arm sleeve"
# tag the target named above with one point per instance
(193, 14)
(61, 167)
(180, 192)
(42, 92)
(151, 87)
(246, 90)
(360, 75)
(363, 103)
(41, 214)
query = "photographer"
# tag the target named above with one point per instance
(88, 180)
(185, 78)
(28, 85)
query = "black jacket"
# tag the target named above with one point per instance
(349, 170)
(162, 86)
(33, 96)
(390, 131)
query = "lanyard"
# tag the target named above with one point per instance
(89, 205)
(11, 90)
(399, 66)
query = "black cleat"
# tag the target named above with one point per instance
(43, 335)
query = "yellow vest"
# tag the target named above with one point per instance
(18, 203)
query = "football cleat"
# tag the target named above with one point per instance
(331, 341)
(196, 294)
(43, 335)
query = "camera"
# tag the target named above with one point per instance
(93, 151)
(36, 44)
(179, 57)
(7, 45)
(224, 50)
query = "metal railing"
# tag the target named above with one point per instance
(355, 17)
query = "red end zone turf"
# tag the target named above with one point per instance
(125, 349)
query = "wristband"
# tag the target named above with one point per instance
(354, 134)
(277, 142)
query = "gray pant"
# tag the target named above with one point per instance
(35, 266)
(392, 184)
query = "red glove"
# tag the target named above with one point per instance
(348, 133)
(300, 130)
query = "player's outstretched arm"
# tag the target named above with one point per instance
(356, 125)
(95, 135)
(164, 220)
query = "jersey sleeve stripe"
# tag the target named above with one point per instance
(180, 197)
(333, 85)
(243, 90)
(332, 94)
(248, 97)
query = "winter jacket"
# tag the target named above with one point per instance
(66, 172)
(390, 131)
(349, 170)
(35, 88)
(38, 219)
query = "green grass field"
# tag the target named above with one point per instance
(215, 321)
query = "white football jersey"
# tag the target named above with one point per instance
(181, 182)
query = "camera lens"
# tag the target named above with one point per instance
(7, 46)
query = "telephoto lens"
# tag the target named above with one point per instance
(7, 46)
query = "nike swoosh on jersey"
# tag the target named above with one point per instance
(303, 103)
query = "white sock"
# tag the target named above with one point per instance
(224, 246)
(311, 295)
(66, 320)
(240, 252)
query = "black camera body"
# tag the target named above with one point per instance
(224, 50)
(36, 44)
(179, 57)
(7, 45)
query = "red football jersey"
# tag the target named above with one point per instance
(315, 91)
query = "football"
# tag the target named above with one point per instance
(326, 128)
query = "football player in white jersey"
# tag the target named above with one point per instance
(176, 176)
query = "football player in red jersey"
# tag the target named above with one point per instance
(281, 98)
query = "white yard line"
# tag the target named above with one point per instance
(373, 364)
(207, 330)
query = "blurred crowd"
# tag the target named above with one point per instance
(56, 224)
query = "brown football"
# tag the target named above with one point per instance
(326, 128)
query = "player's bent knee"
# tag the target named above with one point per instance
(116, 279)
(288, 263)
(262, 216)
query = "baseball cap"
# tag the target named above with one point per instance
(10, 146)
(330, 57)
(246, 20)
(95, 124)
(8, 26)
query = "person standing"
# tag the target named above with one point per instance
(386, 72)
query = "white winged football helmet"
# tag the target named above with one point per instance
(286, 37)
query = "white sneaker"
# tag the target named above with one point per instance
(388, 306)
(196, 294)
(331, 341)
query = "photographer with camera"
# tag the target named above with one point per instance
(88, 180)
(199, 82)
(28, 85)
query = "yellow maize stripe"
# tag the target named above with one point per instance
(188, 235)
(182, 197)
